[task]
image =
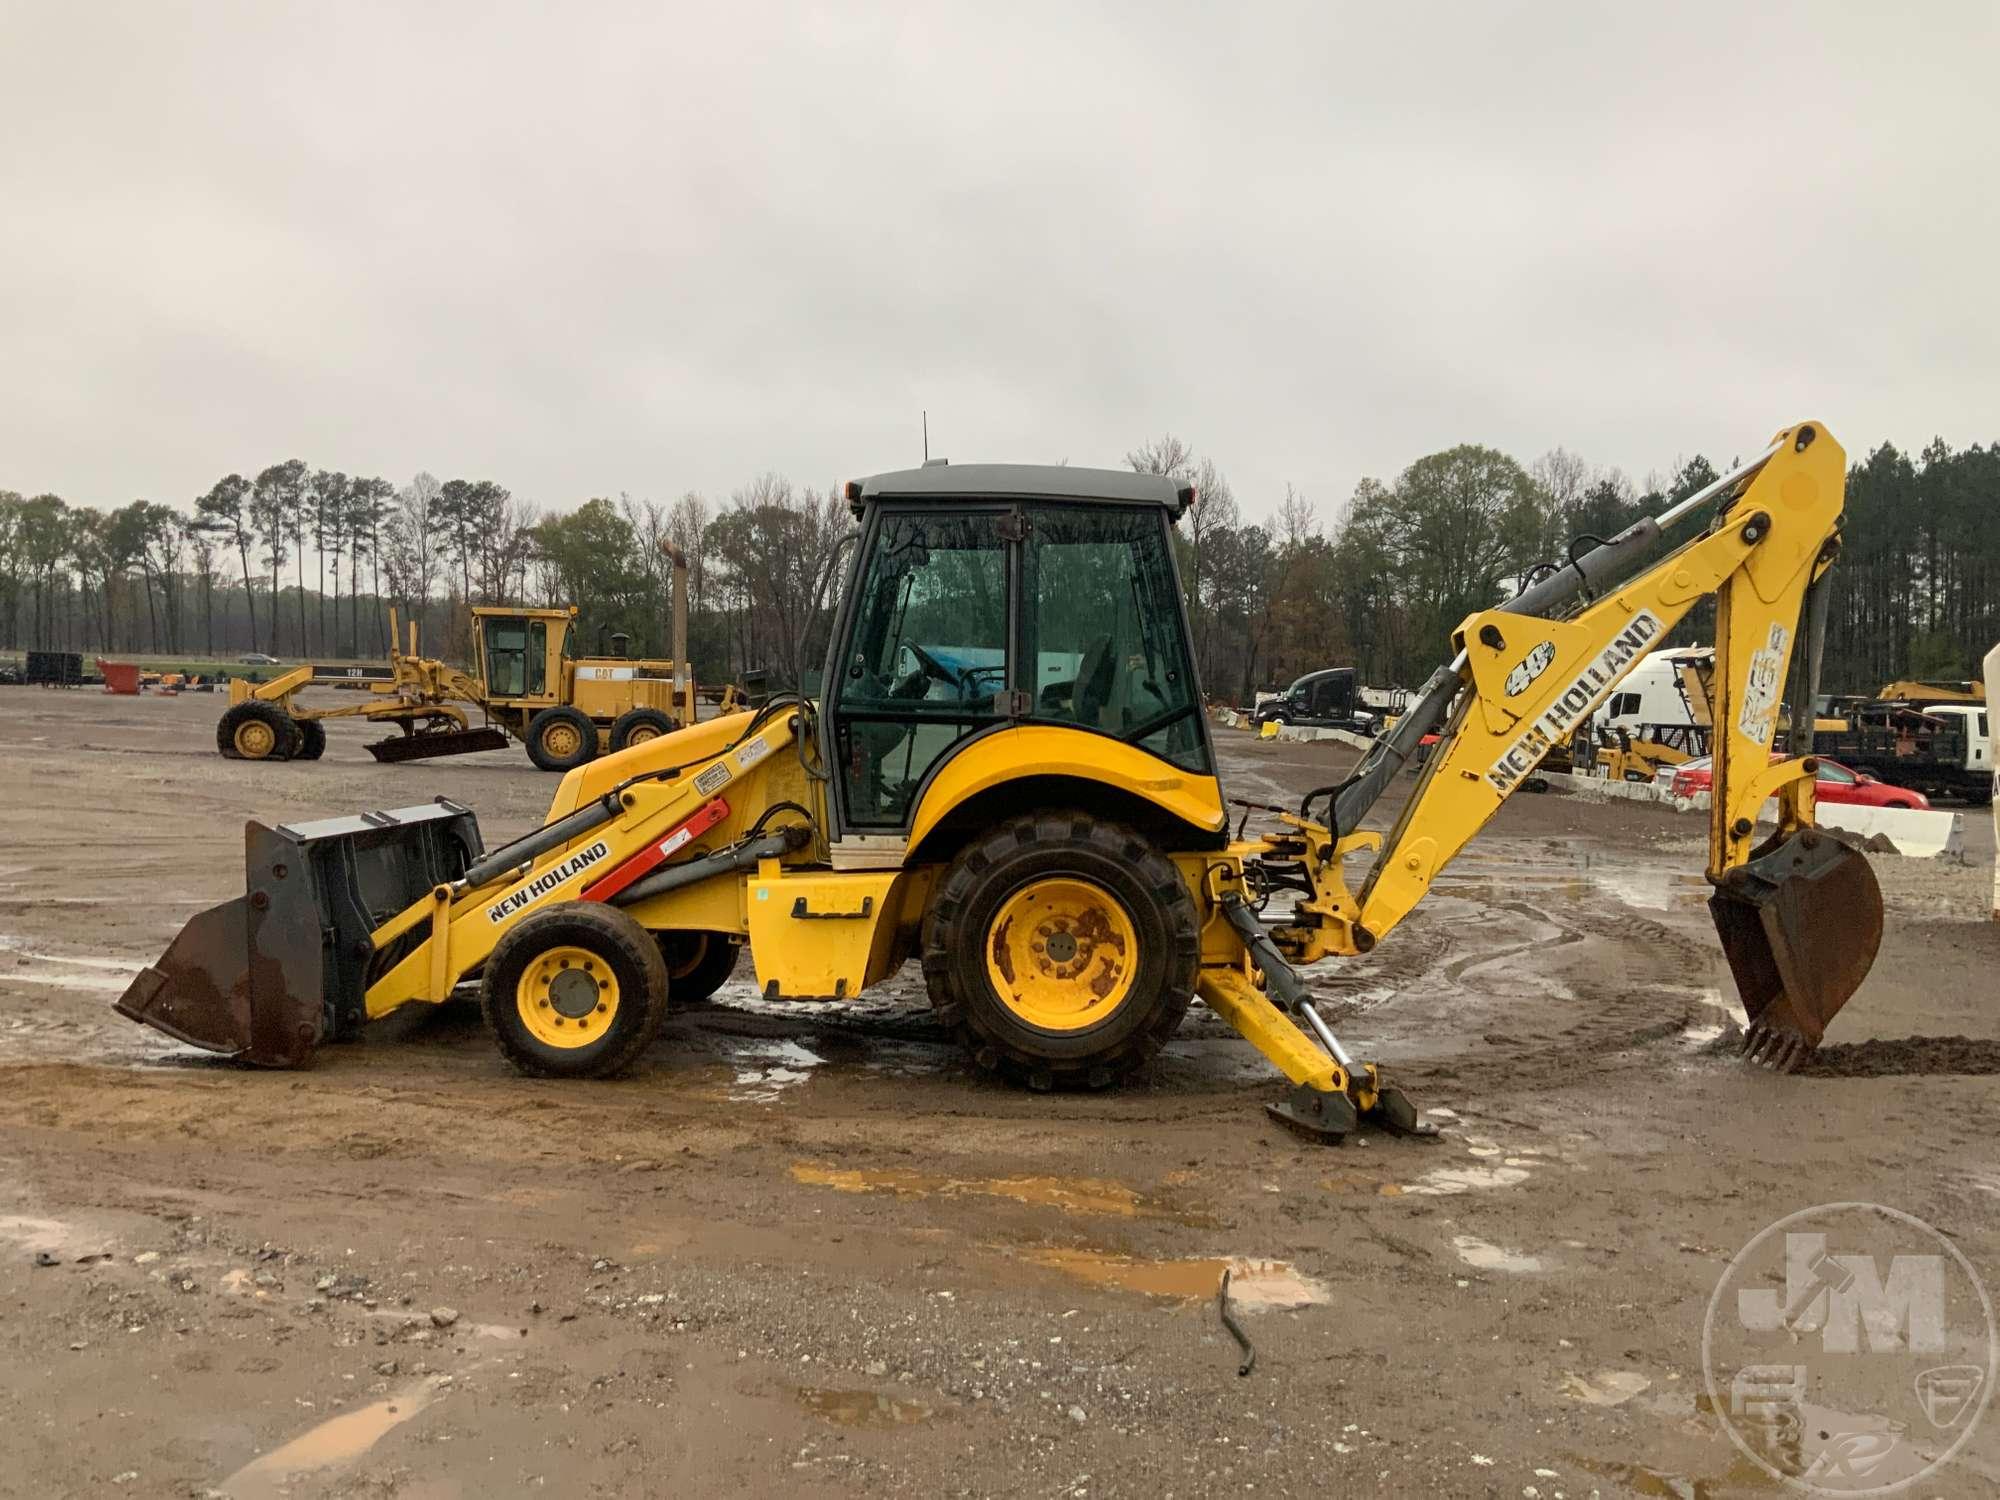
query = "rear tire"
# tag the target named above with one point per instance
(576, 991)
(312, 740)
(1048, 907)
(561, 739)
(639, 726)
(257, 730)
(698, 964)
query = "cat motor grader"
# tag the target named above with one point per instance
(527, 682)
(1008, 776)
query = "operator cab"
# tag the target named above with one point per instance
(991, 595)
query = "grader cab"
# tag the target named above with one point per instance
(566, 708)
(1009, 778)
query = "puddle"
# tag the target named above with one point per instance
(1657, 1484)
(339, 1440)
(1821, 1441)
(1254, 1285)
(863, 1408)
(102, 984)
(1467, 1178)
(1651, 888)
(1605, 1387)
(1086, 1195)
(766, 1068)
(1476, 1252)
(107, 976)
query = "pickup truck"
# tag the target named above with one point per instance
(1942, 749)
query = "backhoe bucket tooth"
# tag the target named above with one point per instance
(266, 978)
(1799, 923)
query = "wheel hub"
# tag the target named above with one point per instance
(566, 997)
(1062, 953)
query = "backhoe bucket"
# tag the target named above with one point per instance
(1800, 923)
(267, 977)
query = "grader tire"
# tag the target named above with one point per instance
(312, 740)
(1061, 949)
(561, 739)
(575, 991)
(638, 726)
(257, 730)
(697, 963)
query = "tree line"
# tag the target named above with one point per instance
(302, 562)
(1915, 593)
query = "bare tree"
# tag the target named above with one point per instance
(1214, 512)
(413, 544)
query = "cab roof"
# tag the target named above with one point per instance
(1045, 482)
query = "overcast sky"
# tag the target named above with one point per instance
(589, 248)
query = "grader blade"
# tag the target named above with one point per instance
(402, 747)
(1800, 924)
(264, 979)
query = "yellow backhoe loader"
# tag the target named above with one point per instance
(527, 682)
(1009, 778)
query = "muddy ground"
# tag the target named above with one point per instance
(803, 1247)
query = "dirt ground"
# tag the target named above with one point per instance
(803, 1247)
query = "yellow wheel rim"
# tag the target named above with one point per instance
(255, 739)
(641, 733)
(1061, 954)
(567, 997)
(561, 740)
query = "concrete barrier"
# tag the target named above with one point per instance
(1600, 789)
(1919, 834)
(1303, 734)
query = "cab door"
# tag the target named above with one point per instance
(923, 661)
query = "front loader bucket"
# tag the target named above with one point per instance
(265, 978)
(1799, 923)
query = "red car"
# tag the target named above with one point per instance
(1835, 783)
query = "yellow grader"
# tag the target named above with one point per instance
(527, 683)
(1009, 779)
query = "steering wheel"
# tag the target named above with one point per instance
(1093, 681)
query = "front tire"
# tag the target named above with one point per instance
(1061, 949)
(257, 730)
(561, 738)
(312, 740)
(576, 991)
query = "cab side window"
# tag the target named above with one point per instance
(1102, 628)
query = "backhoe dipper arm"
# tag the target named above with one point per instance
(1524, 681)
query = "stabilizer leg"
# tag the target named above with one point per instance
(1332, 1094)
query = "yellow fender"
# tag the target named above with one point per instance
(1009, 755)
